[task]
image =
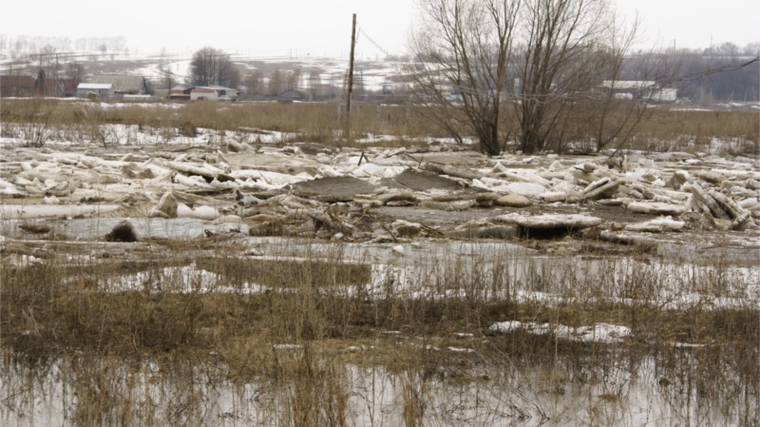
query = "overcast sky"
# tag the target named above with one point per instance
(323, 27)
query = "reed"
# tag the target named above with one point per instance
(38, 121)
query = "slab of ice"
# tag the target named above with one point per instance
(657, 208)
(268, 179)
(502, 186)
(557, 220)
(658, 224)
(201, 212)
(599, 332)
(369, 170)
(51, 210)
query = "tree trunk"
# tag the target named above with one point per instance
(531, 121)
(489, 144)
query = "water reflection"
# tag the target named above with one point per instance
(477, 277)
(611, 386)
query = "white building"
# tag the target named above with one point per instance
(645, 90)
(665, 95)
(213, 93)
(95, 90)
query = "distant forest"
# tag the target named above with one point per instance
(693, 76)
(24, 46)
(706, 75)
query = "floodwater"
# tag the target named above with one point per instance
(480, 269)
(612, 384)
(607, 389)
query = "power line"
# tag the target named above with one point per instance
(374, 43)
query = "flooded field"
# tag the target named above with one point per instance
(181, 276)
(431, 332)
(610, 387)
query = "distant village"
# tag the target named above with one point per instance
(137, 88)
(106, 87)
(105, 69)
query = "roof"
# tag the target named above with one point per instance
(122, 83)
(17, 85)
(95, 86)
(296, 94)
(60, 83)
(217, 87)
(629, 84)
(24, 81)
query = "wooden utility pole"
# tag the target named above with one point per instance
(350, 79)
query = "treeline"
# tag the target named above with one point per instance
(695, 77)
(260, 84)
(211, 66)
(22, 46)
(732, 83)
(717, 73)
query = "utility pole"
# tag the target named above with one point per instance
(350, 79)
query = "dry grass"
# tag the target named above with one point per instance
(320, 123)
(66, 316)
(694, 131)
(53, 308)
(663, 130)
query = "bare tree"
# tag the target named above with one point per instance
(47, 59)
(276, 82)
(599, 108)
(462, 57)
(211, 66)
(614, 117)
(229, 74)
(40, 85)
(294, 78)
(559, 61)
(314, 82)
(543, 59)
(76, 71)
(255, 83)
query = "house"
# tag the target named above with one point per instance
(645, 90)
(16, 85)
(60, 87)
(97, 90)
(213, 93)
(204, 94)
(180, 92)
(291, 95)
(24, 85)
(122, 85)
(665, 95)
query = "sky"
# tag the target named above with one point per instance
(323, 28)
